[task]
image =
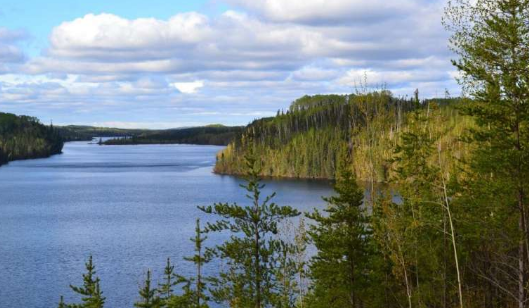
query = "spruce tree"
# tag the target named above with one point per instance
(251, 254)
(194, 297)
(91, 294)
(341, 235)
(148, 295)
(490, 38)
(61, 303)
(165, 290)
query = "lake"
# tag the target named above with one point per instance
(130, 207)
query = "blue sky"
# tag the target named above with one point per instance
(162, 64)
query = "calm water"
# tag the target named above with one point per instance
(131, 207)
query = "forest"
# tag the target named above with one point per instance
(450, 229)
(23, 137)
(88, 133)
(318, 132)
(214, 134)
(202, 135)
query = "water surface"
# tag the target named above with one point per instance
(131, 207)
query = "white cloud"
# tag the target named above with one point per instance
(188, 87)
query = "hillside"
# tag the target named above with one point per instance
(318, 133)
(23, 137)
(87, 133)
(204, 135)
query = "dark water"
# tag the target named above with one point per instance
(131, 207)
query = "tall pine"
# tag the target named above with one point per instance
(251, 255)
(490, 38)
(91, 294)
(148, 295)
(339, 270)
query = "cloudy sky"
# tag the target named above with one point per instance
(162, 64)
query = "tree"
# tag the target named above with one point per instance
(300, 259)
(61, 303)
(414, 230)
(339, 268)
(491, 38)
(148, 295)
(165, 290)
(197, 297)
(252, 252)
(91, 294)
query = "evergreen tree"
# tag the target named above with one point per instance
(339, 269)
(165, 290)
(61, 303)
(91, 294)
(148, 295)
(252, 252)
(412, 230)
(197, 297)
(287, 287)
(491, 38)
(300, 258)
(23, 137)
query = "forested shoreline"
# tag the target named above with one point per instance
(318, 132)
(88, 133)
(202, 135)
(23, 137)
(214, 134)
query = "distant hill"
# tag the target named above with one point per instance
(23, 137)
(205, 135)
(87, 133)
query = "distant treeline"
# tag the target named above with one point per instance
(204, 135)
(318, 132)
(87, 133)
(23, 137)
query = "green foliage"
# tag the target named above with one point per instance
(88, 133)
(148, 295)
(319, 132)
(91, 294)
(340, 269)
(253, 253)
(61, 303)
(491, 38)
(409, 229)
(214, 134)
(205, 135)
(197, 297)
(23, 137)
(165, 290)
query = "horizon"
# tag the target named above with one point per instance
(164, 65)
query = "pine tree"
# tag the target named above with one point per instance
(165, 290)
(342, 236)
(301, 240)
(61, 303)
(194, 297)
(409, 225)
(252, 252)
(148, 295)
(491, 38)
(91, 294)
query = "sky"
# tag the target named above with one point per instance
(166, 64)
